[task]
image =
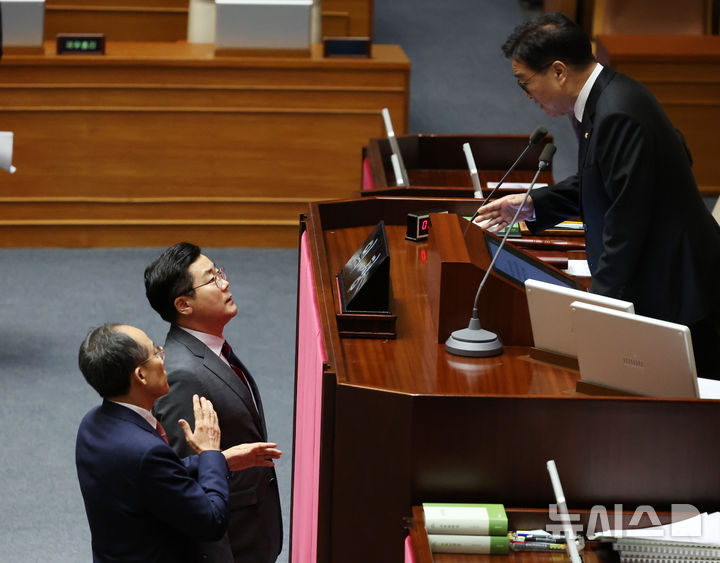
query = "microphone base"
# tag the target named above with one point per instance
(474, 342)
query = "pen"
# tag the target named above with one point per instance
(532, 537)
(536, 546)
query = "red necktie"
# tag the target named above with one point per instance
(161, 431)
(232, 360)
(227, 353)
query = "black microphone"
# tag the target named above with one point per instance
(538, 135)
(535, 137)
(474, 340)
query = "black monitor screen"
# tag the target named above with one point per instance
(517, 267)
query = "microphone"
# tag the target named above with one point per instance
(472, 168)
(401, 176)
(535, 137)
(474, 340)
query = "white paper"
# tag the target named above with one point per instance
(708, 388)
(579, 268)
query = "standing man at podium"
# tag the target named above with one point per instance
(192, 293)
(649, 237)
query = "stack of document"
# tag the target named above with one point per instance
(467, 528)
(694, 539)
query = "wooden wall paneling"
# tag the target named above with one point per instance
(77, 234)
(166, 20)
(693, 17)
(347, 18)
(158, 142)
(335, 24)
(567, 7)
(683, 72)
(117, 3)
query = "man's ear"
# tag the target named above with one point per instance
(139, 376)
(182, 305)
(560, 70)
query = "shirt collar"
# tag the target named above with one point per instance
(146, 414)
(215, 343)
(585, 92)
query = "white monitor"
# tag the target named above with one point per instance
(632, 353)
(549, 306)
(22, 23)
(263, 24)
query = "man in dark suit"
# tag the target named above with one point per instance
(144, 503)
(190, 292)
(649, 237)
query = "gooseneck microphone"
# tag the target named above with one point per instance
(474, 340)
(536, 136)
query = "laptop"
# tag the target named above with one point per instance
(632, 353)
(549, 306)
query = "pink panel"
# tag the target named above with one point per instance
(409, 555)
(367, 181)
(311, 355)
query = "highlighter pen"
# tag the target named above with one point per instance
(536, 546)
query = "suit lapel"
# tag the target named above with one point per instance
(222, 371)
(586, 127)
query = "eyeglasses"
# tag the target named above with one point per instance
(524, 84)
(158, 351)
(218, 278)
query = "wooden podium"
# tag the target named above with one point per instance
(400, 422)
(437, 167)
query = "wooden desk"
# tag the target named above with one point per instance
(119, 20)
(347, 18)
(167, 20)
(159, 142)
(401, 422)
(683, 72)
(437, 167)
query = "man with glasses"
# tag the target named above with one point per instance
(649, 237)
(192, 293)
(143, 502)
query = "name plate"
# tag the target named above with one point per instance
(80, 44)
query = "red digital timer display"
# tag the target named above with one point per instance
(418, 224)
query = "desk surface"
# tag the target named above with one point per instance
(415, 362)
(182, 52)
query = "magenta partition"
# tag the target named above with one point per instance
(367, 181)
(409, 555)
(306, 471)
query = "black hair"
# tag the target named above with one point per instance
(167, 278)
(107, 358)
(547, 38)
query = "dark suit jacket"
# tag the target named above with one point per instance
(649, 239)
(143, 503)
(255, 531)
